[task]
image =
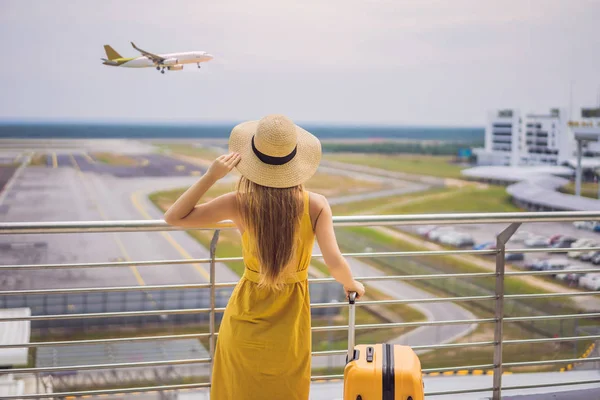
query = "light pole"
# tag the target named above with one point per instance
(597, 172)
(578, 171)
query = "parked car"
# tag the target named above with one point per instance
(554, 264)
(590, 281)
(555, 238)
(435, 234)
(456, 239)
(580, 243)
(514, 256)
(531, 264)
(563, 243)
(484, 246)
(537, 241)
(587, 257)
(587, 225)
(596, 260)
(519, 236)
(569, 274)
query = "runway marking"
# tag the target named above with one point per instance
(90, 159)
(169, 238)
(54, 161)
(117, 239)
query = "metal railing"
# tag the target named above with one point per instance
(498, 297)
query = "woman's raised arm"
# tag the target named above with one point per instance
(187, 213)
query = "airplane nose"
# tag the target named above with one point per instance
(209, 56)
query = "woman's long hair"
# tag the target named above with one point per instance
(272, 216)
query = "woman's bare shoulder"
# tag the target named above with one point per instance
(316, 202)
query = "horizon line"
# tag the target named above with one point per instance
(9, 121)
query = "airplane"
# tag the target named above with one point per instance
(171, 61)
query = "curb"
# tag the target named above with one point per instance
(585, 354)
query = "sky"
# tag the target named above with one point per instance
(422, 62)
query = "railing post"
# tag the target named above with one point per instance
(501, 241)
(213, 252)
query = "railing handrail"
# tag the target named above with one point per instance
(13, 228)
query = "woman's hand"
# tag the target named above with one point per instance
(223, 165)
(357, 287)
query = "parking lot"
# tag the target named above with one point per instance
(531, 235)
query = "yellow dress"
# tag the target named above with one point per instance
(263, 349)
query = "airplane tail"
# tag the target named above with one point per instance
(111, 53)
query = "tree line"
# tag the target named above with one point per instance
(398, 147)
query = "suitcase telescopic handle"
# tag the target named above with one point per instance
(351, 324)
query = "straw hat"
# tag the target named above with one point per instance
(275, 152)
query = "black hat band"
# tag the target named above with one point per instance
(273, 160)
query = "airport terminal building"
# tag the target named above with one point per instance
(537, 154)
(512, 139)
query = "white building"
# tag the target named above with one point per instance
(547, 139)
(502, 133)
(535, 139)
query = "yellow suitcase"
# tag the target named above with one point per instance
(380, 371)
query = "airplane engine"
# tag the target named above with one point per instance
(170, 61)
(177, 67)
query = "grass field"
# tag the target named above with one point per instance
(439, 166)
(114, 159)
(339, 185)
(588, 189)
(205, 153)
(470, 198)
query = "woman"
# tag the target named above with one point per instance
(263, 349)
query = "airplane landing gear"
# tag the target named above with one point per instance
(162, 71)
(157, 68)
(199, 65)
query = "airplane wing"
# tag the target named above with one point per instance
(153, 57)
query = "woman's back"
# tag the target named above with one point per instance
(297, 269)
(267, 329)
